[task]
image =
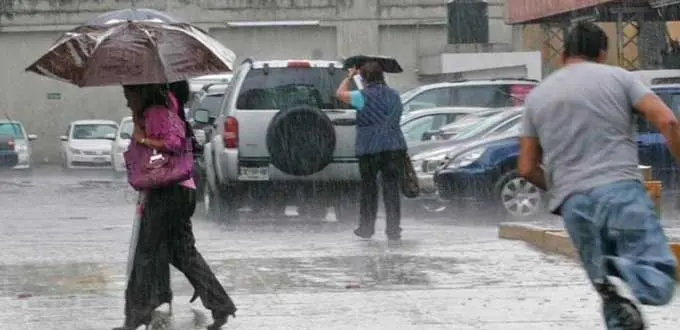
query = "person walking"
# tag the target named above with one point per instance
(166, 235)
(380, 146)
(578, 140)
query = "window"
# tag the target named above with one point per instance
(211, 103)
(484, 125)
(93, 131)
(15, 130)
(478, 96)
(508, 125)
(127, 127)
(286, 87)
(415, 129)
(432, 98)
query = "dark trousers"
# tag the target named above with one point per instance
(165, 238)
(390, 164)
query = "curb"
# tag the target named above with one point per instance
(553, 240)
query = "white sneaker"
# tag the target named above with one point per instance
(628, 309)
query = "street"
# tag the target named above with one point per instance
(64, 242)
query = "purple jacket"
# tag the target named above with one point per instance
(161, 123)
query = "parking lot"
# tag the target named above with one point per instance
(65, 239)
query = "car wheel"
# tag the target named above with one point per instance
(518, 197)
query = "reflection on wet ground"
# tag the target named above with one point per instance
(64, 242)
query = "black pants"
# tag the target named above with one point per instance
(390, 164)
(165, 238)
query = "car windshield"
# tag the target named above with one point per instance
(15, 130)
(127, 127)
(93, 131)
(210, 103)
(278, 88)
(672, 99)
(410, 93)
(483, 126)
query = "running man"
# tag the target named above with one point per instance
(578, 141)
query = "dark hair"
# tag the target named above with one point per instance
(181, 91)
(372, 72)
(150, 94)
(585, 40)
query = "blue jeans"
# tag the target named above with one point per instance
(616, 231)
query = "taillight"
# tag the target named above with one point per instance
(10, 143)
(230, 134)
(299, 64)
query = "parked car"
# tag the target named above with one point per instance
(9, 157)
(22, 141)
(491, 93)
(87, 143)
(416, 124)
(427, 161)
(210, 102)
(489, 170)
(121, 143)
(501, 122)
(448, 131)
(268, 105)
(486, 173)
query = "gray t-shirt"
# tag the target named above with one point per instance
(582, 116)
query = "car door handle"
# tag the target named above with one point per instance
(344, 122)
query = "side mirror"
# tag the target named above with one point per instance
(63, 138)
(110, 136)
(125, 136)
(32, 137)
(202, 116)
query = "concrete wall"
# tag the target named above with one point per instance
(405, 29)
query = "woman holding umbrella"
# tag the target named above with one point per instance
(145, 57)
(166, 235)
(380, 146)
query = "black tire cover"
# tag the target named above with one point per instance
(301, 140)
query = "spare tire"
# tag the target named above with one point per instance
(301, 140)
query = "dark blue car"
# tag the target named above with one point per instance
(488, 171)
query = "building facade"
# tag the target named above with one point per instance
(262, 29)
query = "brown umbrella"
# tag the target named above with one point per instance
(133, 52)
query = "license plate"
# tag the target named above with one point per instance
(254, 173)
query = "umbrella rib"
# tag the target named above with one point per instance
(158, 54)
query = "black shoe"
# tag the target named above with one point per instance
(220, 318)
(365, 234)
(626, 307)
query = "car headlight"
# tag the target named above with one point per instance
(21, 148)
(466, 158)
(433, 164)
(74, 151)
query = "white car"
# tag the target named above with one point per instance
(22, 140)
(87, 143)
(121, 143)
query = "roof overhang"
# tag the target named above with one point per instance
(523, 11)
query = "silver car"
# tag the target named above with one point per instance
(284, 139)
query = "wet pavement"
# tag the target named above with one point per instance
(64, 240)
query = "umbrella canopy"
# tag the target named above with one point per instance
(133, 52)
(133, 14)
(388, 64)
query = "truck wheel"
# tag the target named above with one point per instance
(301, 140)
